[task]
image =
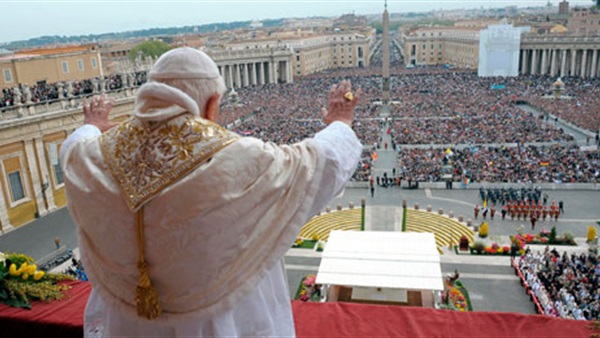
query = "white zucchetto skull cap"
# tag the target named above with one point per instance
(184, 63)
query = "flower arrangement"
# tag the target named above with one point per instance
(484, 230)
(21, 282)
(494, 249)
(308, 290)
(591, 233)
(455, 296)
(545, 237)
(303, 243)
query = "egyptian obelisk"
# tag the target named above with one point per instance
(385, 72)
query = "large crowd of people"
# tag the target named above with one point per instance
(524, 164)
(43, 92)
(566, 286)
(430, 106)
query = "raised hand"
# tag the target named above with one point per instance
(342, 102)
(96, 112)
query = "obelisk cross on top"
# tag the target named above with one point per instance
(385, 72)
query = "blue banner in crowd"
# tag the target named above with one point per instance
(498, 87)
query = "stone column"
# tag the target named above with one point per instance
(35, 175)
(553, 62)
(573, 62)
(563, 63)
(45, 173)
(288, 71)
(544, 69)
(584, 64)
(533, 62)
(253, 73)
(594, 70)
(261, 73)
(271, 66)
(238, 76)
(246, 80)
(4, 220)
(230, 75)
(524, 62)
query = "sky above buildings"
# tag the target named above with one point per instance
(23, 19)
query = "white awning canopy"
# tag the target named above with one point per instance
(399, 260)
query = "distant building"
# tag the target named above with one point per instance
(349, 21)
(255, 24)
(458, 46)
(315, 51)
(50, 65)
(308, 23)
(563, 7)
(584, 21)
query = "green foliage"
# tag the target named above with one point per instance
(154, 48)
(569, 238)
(552, 237)
(378, 25)
(479, 246)
(19, 259)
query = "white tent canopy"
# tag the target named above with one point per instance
(398, 260)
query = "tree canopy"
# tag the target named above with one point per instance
(154, 48)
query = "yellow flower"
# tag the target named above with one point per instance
(22, 268)
(31, 269)
(38, 275)
(12, 270)
(25, 276)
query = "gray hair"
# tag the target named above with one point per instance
(200, 90)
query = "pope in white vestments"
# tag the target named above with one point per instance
(172, 204)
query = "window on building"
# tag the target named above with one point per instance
(58, 174)
(94, 64)
(424, 46)
(65, 67)
(7, 75)
(297, 57)
(440, 46)
(432, 47)
(80, 65)
(16, 186)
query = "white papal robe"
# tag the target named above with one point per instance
(214, 239)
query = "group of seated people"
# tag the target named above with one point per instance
(566, 286)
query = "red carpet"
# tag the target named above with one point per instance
(357, 320)
(61, 318)
(64, 319)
